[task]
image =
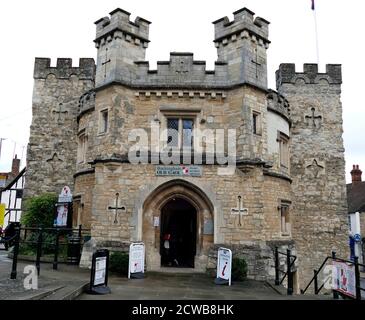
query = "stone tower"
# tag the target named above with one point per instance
(52, 148)
(120, 42)
(243, 42)
(317, 162)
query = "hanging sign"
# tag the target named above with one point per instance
(136, 260)
(343, 276)
(99, 272)
(61, 215)
(65, 195)
(224, 266)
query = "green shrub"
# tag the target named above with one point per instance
(39, 211)
(118, 262)
(239, 269)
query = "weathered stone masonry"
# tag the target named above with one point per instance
(67, 145)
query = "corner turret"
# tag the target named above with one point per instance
(120, 42)
(242, 43)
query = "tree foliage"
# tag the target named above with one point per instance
(39, 211)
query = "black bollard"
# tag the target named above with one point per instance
(39, 251)
(56, 248)
(277, 280)
(357, 278)
(289, 273)
(335, 293)
(15, 254)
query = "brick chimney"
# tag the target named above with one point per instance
(356, 174)
(15, 166)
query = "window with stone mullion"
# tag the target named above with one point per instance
(173, 132)
(180, 132)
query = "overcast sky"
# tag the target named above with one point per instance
(44, 28)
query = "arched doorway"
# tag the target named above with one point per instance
(178, 234)
(193, 215)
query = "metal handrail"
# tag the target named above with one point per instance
(51, 229)
(316, 272)
(8, 240)
(291, 264)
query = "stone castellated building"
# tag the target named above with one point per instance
(288, 185)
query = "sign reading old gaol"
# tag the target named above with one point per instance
(193, 171)
(276, 191)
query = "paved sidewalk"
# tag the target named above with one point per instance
(61, 284)
(163, 286)
(68, 283)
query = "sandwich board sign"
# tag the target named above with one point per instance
(224, 266)
(99, 272)
(136, 260)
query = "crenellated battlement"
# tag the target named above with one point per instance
(310, 74)
(243, 25)
(64, 68)
(118, 24)
(278, 104)
(181, 70)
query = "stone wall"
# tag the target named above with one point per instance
(135, 184)
(52, 148)
(259, 256)
(137, 109)
(317, 164)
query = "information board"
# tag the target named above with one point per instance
(99, 272)
(224, 266)
(136, 260)
(343, 276)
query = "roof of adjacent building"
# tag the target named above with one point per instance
(356, 197)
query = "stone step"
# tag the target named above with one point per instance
(68, 292)
(38, 294)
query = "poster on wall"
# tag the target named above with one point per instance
(61, 215)
(343, 276)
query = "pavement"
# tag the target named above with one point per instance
(183, 286)
(70, 283)
(66, 283)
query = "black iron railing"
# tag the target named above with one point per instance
(315, 278)
(72, 238)
(288, 273)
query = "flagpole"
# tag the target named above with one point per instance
(316, 33)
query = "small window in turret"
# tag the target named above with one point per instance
(103, 121)
(283, 140)
(256, 123)
(285, 220)
(82, 148)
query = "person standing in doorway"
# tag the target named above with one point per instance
(166, 247)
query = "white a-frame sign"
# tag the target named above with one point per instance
(136, 260)
(224, 266)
